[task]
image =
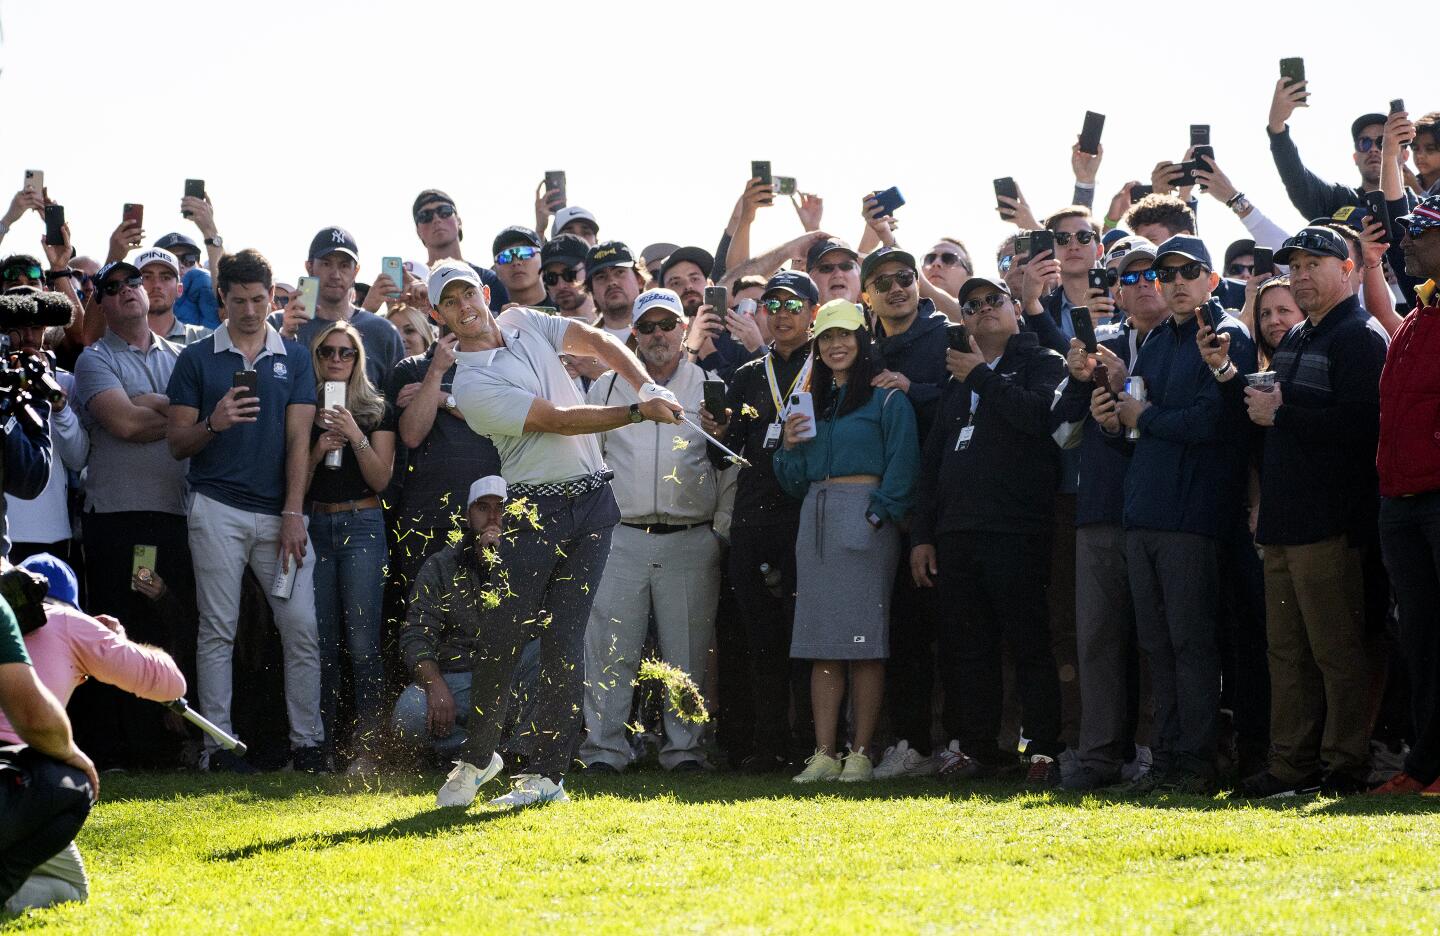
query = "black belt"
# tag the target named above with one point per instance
(660, 529)
(591, 482)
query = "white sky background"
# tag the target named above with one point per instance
(298, 115)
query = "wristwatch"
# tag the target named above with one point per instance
(216, 241)
(450, 403)
(1224, 369)
(635, 415)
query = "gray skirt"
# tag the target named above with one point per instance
(845, 571)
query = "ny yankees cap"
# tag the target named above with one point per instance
(333, 240)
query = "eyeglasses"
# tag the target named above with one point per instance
(113, 287)
(1006, 262)
(282, 301)
(945, 258)
(1240, 269)
(551, 277)
(975, 306)
(1191, 271)
(1085, 237)
(1365, 144)
(665, 324)
(904, 278)
(512, 254)
(329, 352)
(188, 260)
(15, 272)
(844, 266)
(1417, 227)
(1130, 279)
(789, 306)
(426, 215)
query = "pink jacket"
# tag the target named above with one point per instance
(73, 647)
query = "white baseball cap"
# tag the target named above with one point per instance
(490, 485)
(657, 299)
(416, 269)
(447, 272)
(571, 213)
(156, 255)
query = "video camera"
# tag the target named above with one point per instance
(26, 377)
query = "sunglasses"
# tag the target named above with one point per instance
(329, 353)
(188, 260)
(944, 258)
(113, 287)
(1240, 269)
(975, 306)
(551, 277)
(1006, 262)
(1085, 237)
(1365, 144)
(513, 254)
(844, 266)
(789, 306)
(15, 272)
(904, 278)
(1130, 279)
(1191, 271)
(426, 215)
(282, 301)
(665, 324)
(1416, 228)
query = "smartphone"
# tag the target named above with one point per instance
(134, 214)
(784, 185)
(1377, 209)
(719, 298)
(1210, 314)
(1199, 134)
(1084, 324)
(35, 181)
(958, 336)
(714, 399)
(1293, 71)
(1099, 278)
(746, 307)
(247, 379)
(194, 188)
(760, 169)
(1264, 260)
(54, 221)
(143, 557)
(555, 182)
(1090, 133)
(1397, 105)
(889, 200)
(1138, 192)
(1188, 168)
(1022, 244)
(1007, 188)
(308, 292)
(1041, 241)
(802, 402)
(1100, 376)
(394, 268)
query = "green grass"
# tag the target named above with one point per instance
(650, 853)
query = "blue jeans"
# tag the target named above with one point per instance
(408, 721)
(350, 561)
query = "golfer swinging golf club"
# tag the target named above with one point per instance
(511, 386)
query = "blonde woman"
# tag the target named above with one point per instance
(415, 330)
(347, 527)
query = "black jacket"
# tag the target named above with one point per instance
(1004, 480)
(759, 501)
(919, 354)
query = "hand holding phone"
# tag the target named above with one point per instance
(555, 190)
(1264, 261)
(55, 225)
(888, 201)
(1090, 133)
(760, 169)
(714, 399)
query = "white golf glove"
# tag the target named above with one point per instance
(653, 391)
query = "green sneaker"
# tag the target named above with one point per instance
(819, 767)
(858, 768)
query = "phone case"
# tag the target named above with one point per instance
(394, 268)
(35, 181)
(802, 402)
(309, 294)
(1090, 133)
(889, 200)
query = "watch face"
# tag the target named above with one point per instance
(450, 402)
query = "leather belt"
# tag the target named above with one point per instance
(350, 506)
(660, 529)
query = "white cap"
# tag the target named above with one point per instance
(156, 255)
(447, 272)
(657, 299)
(417, 269)
(490, 485)
(571, 213)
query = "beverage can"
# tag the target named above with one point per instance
(284, 584)
(1136, 390)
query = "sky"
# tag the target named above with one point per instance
(300, 115)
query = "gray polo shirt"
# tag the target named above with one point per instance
(184, 334)
(495, 389)
(122, 475)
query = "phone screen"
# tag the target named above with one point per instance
(715, 398)
(1090, 133)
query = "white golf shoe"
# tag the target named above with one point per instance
(465, 781)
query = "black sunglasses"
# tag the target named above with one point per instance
(904, 278)
(1240, 269)
(1130, 279)
(975, 306)
(1085, 237)
(1365, 144)
(551, 277)
(282, 301)
(844, 266)
(1191, 271)
(665, 324)
(945, 258)
(327, 352)
(113, 287)
(426, 215)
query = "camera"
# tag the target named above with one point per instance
(28, 377)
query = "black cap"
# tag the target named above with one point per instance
(977, 282)
(1317, 240)
(177, 244)
(696, 255)
(885, 255)
(333, 240)
(516, 235)
(1239, 248)
(607, 254)
(794, 281)
(564, 248)
(428, 196)
(823, 247)
(1363, 121)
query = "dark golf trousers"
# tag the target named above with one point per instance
(551, 574)
(1105, 635)
(43, 804)
(1410, 540)
(910, 671)
(993, 587)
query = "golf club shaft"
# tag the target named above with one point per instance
(226, 741)
(714, 441)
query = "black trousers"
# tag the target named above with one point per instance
(994, 587)
(1410, 540)
(43, 804)
(910, 671)
(1244, 655)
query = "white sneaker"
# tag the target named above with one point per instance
(465, 781)
(1140, 766)
(819, 767)
(857, 768)
(902, 761)
(531, 790)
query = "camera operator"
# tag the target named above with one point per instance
(25, 421)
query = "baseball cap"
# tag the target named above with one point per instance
(571, 213)
(516, 235)
(488, 486)
(416, 269)
(884, 255)
(447, 272)
(333, 240)
(796, 283)
(1238, 248)
(657, 299)
(156, 255)
(1127, 248)
(64, 586)
(564, 248)
(1187, 246)
(829, 245)
(979, 282)
(177, 244)
(696, 255)
(607, 254)
(1111, 236)
(838, 313)
(1363, 121)
(655, 254)
(428, 196)
(1425, 215)
(1316, 240)
(111, 267)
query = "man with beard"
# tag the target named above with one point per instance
(664, 558)
(438, 225)
(1312, 196)
(720, 340)
(160, 272)
(613, 282)
(562, 270)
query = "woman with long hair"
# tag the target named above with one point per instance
(1275, 314)
(415, 330)
(856, 475)
(348, 530)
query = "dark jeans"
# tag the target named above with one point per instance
(910, 671)
(1108, 658)
(1243, 644)
(1410, 539)
(350, 560)
(994, 587)
(43, 804)
(552, 574)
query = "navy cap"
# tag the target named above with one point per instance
(1316, 240)
(516, 235)
(607, 254)
(696, 255)
(334, 240)
(111, 267)
(1238, 248)
(64, 586)
(885, 255)
(979, 282)
(820, 248)
(1109, 238)
(177, 244)
(795, 282)
(1363, 121)
(1185, 245)
(564, 248)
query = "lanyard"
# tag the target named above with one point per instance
(775, 385)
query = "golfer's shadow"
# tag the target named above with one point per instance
(430, 822)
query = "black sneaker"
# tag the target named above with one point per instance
(1148, 783)
(1083, 780)
(1336, 784)
(1188, 783)
(229, 762)
(1265, 785)
(688, 766)
(310, 759)
(595, 768)
(763, 764)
